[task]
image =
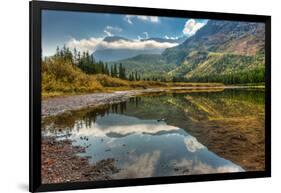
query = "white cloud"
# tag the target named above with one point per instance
(114, 29)
(147, 44)
(110, 30)
(146, 35)
(84, 44)
(191, 27)
(108, 33)
(152, 19)
(128, 19)
(170, 37)
(92, 44)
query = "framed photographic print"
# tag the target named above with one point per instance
(125, 96)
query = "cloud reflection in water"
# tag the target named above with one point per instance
(140, 166)
(147, 148)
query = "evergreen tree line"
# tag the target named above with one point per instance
(134, 76)
(87, 63)
(252, 76)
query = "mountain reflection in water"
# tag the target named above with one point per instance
(142, 147)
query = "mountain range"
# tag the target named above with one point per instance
(219, 51)
(112, 54)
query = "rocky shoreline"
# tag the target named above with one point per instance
(59, 105)
(61, 164)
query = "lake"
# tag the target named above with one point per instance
(167, 134)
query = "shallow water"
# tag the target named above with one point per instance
(151, 135)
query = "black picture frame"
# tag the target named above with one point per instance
(36, 8)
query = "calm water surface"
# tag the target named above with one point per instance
(149, 135)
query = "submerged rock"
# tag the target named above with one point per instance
(60, 163)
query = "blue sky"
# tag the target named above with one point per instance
(85, 31)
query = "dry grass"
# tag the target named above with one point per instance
(60, 77)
